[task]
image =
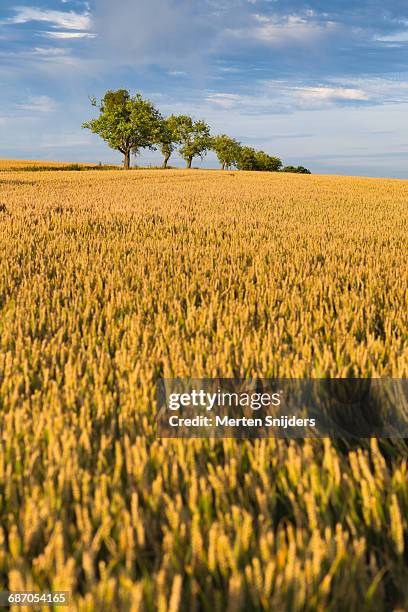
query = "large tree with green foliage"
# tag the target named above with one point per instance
(227, 150)
(194, 137)
(250, 159)
(267, 163)
(247, 159)
(126, 123)
(169, 136)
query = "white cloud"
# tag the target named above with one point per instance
(225, 100)
(61, 19)
(50, 56)
(283, 31)
(38, 104)
(48, 51)
(391, 90)
(39, 59)
(332, 94)
(282, 97)
(398, 37)
(68, 35)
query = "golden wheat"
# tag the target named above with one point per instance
(21, 164)
(110, 280)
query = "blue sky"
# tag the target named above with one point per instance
(324, 84)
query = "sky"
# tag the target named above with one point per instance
(317, 83)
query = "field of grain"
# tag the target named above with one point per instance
(21, 165)
(110, 280)
(18, 164)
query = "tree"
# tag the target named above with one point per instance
(297, 169)
(126, 123)
(194, 137)
(227, 150)
(169, 136)
(250, 159)
(247, 159)
(267, 163)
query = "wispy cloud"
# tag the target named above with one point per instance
(280, 97)
(60, 19)
(68, 35)
(332, 94)
(397, 37)
(38, 104)
(49, 52)
(37, 59)
(226, 100)
(275, 30)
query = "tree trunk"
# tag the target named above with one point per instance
(126, 161)
(189, 162)
(223, 166)
(166, 159)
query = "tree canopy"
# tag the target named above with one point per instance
(297, 169)
(126, 123)
(247, 159)
(194, 138)
(267, 163)
(227, 150)
(169, 136)
(250, 159)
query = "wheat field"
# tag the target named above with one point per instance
(111, 280)
(7, 165)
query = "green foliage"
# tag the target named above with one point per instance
(194, 137)
(247, 159)
(227, 150)
(267, 163)
(126, 123)
(169, 136)
(296, 169)
(250, 159)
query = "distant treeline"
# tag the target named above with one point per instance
(129, 124)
